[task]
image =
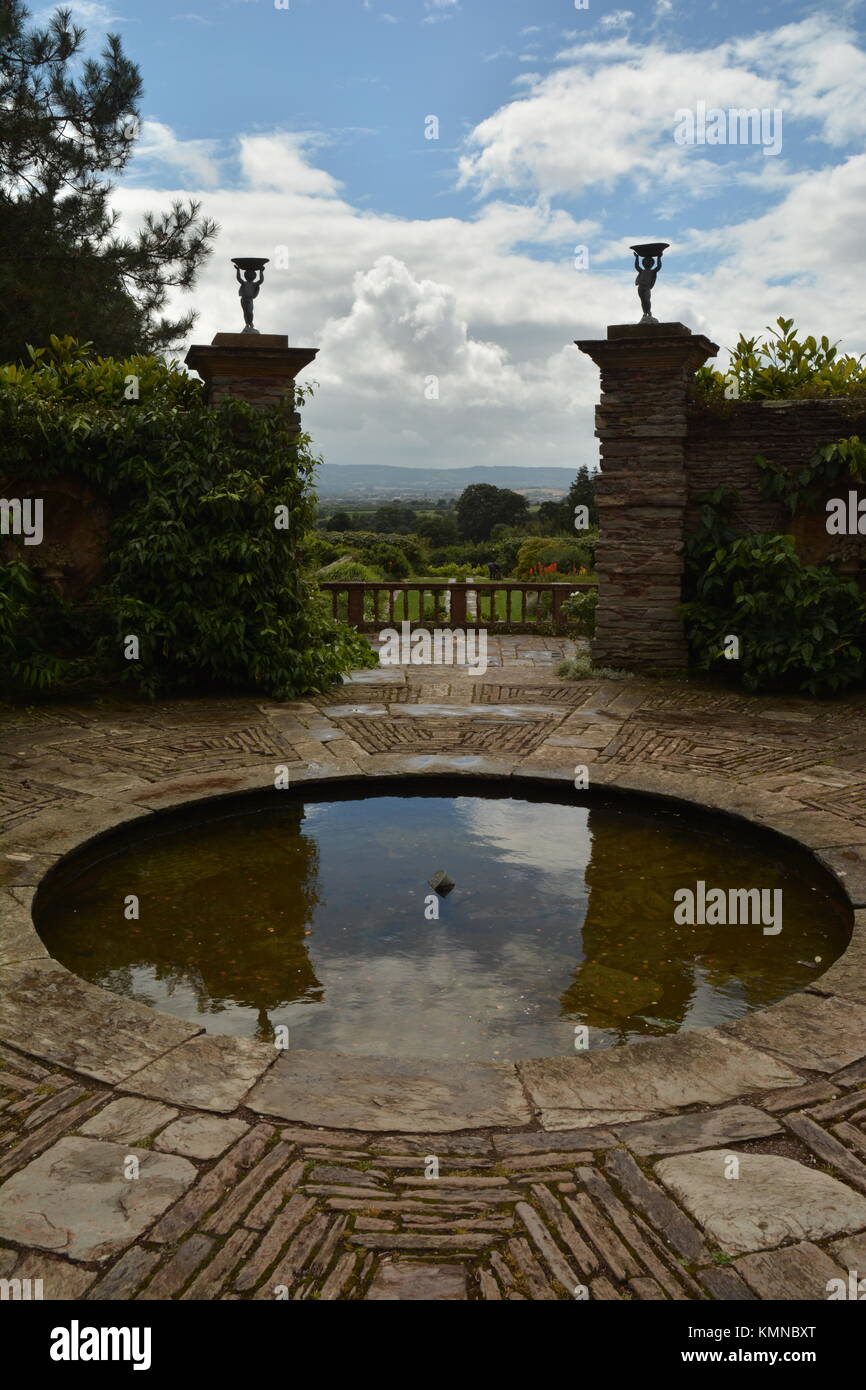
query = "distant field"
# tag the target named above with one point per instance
(384, 481)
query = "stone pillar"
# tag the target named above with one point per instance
(646, 370)
(471, 599)
(255, 367)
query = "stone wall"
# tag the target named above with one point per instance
(660, 450)
(721, 447)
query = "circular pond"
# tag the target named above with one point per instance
(312, 910)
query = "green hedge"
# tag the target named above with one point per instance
(784, 367)
(196, 567)
(368, 547)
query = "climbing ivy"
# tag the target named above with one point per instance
(798, 488)
(197, 567)
(800, 627)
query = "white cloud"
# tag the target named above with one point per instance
(490, 303)
(158, 146)
(547, 141)
(392, 301)
(607, 115)
(617, 19)
(84, 12)
(279, 162)
(801, 258)
(822, 72)
(440, 9)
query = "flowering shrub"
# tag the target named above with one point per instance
(579, 608)
(552, 558)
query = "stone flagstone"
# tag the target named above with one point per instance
(200, 1136)
(61, 1281)
(324, 1088)
(798, 1273)
(774, 1199)
(66, 1021)
(808, 1031)
(129, 1120)
(208, 1072)
(622, 1084)
(415, 1280)
(681, 1133)
(75, 1200)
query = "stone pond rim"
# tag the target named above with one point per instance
(49, 1013)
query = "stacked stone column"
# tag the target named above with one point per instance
(646, 371)
(255, 367)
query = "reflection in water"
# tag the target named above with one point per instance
(215, 931)
(313, 916)
(640, 967)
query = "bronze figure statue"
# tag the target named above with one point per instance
(252, 266)
(648, 263)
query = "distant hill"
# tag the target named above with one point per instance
(382, 481)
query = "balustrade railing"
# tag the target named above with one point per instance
(499, 605)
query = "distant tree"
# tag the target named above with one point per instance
(438, 530)
(64, 125)
(581, 493)
(393, 518)
(340, 521)
(481, 506)
(392, 559)
(552, 519)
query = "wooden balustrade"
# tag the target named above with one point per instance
(500, 605)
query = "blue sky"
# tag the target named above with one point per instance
(304, 129)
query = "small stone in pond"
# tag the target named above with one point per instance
(441, 882)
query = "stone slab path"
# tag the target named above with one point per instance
(143, 1159)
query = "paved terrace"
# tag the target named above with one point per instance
(301, 1174)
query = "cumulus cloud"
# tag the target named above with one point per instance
(407, 328)
(391, 302)
(490, 302)
(607, 115)
(626, 99)
(281, 162)
(159, 148)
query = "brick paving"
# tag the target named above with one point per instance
(557, 1193)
